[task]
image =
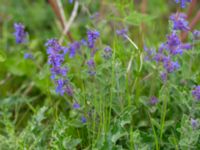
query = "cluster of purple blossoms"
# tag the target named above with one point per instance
(183, 2)
(56, 56)
(196, 93)
(180, 22)
(172, 47)
(73, 48)
(21, 37)
(20, 34)
(92, 37)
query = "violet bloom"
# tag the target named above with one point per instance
(153, 100)
(183, 2)
(196, 93)
(73, 48)
(91, 63)
(20, 34)
(175, 46)
(150, 53)
(63, 87)
(194, 123)
(71, 1)
(28, 56)
(163, 76)
(179, 22)
(196, 34)
(83, 119)
(92, 37)
(122, 32)
(107, 52)
(76, 106)
(170, 65)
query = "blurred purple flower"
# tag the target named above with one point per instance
(163, 76)
(170, 65)
(153, 100)
(83, 119)
(91, 63)
(150, 53)
(73, 48)
(20, 34)
(71, 1)
(194, 123)
(180, 22)
(196, 34)
(196, 92)
(76, 106)
(92, 37)
(183, 2)
(28, 56)
(107, 52)
(122, 32)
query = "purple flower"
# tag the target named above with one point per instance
(20, 34)
(174, 45)
(194, 123)
(28, 56)
(183, 2)
(107, 52)
(122, 32)
(63, 87)
(92, 37)
(196, 92)
(170, 65)
(196, 34)
(149, 53)
(163, 76)
(179, 22)
(68, 89)
(83, 119)
(76, 106)
(73, 48)
(71, 1)
(91, 63)
(153, 100)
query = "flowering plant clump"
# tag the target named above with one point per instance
(100, 75)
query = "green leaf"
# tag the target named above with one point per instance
(2, 56)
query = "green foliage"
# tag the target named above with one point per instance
(116, 101)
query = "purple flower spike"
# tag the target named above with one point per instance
(180, 22)
(194, 123)
(92, 37)
(153, 100)
(20, 34)
(73, 48)
(196, 93)
(76, 106)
